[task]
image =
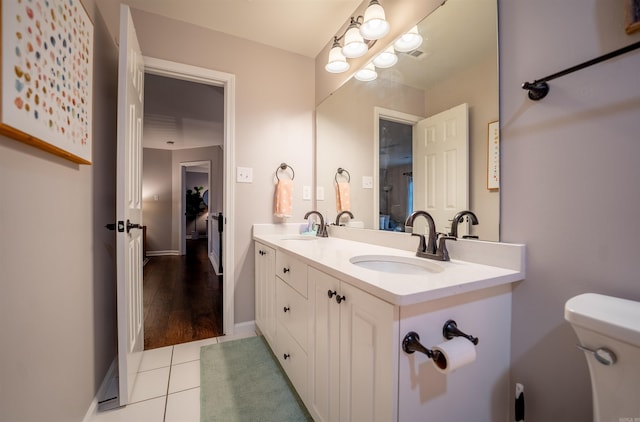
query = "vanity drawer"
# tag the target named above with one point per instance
(293, 359)
(292, 271)
(292, 312)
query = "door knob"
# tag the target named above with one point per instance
(131, 225)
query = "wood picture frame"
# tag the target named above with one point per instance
(632, 16)
(493, 156)
(46, 76)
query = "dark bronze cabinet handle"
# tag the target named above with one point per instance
(286, 270)
(331, 293)
(286, 356)
(340, 299)
(286, 308)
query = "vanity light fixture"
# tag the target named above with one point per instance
(386, 59)
(337, 61)
(374, 25)
(354, 45)
(409, 41)
(358, 37)
(367, 73)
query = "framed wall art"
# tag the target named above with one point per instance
(632, 16)
(493, 156)
(47, 76)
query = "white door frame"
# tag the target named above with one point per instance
(395, 116)
(212, 77)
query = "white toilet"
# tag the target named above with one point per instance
(608, 329)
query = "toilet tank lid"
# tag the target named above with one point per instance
(612, 316)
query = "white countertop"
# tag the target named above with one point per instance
(331, 255)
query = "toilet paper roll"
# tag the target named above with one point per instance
(453, 354)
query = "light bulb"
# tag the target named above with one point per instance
(386, 59)
(354, 45)
(337, 62)
(409, 41)
(374, 25)
(367, 73)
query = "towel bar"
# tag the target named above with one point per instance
(340, 171)
(283, 167)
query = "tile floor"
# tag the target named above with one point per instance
(168, 386)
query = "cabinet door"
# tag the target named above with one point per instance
(324, 396)
(265, 279)
(368, 357)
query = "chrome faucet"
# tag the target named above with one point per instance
(339, 216)
(459, 218)
(322, 229)
(436, 247)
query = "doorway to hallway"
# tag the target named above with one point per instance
(182, 298)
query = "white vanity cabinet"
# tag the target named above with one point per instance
(265, 289)
(282, 311)
(355, 353)
(293, 322)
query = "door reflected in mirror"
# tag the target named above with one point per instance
(456, 64)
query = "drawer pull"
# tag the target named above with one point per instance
(286, 308)
(286, 356)
(331, 293)
(286, 270)
(340, 299)
(261, 252)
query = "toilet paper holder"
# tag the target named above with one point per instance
(411, 342)
(450, 330)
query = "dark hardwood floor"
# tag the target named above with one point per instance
(182, 298)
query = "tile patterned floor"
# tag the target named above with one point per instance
(168, 386)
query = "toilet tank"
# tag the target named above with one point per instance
(605, 322)
(611, 316)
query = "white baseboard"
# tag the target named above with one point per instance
(102, 391)
(214, 262)
(162, 253)
(244, 328)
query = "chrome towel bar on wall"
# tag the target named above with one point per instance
(539, 88)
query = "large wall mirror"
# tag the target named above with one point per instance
(377, 130)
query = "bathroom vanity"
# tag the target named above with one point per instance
(335, 311)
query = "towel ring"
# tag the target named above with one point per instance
(283, 167)
(340, 171)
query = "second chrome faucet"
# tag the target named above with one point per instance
(435, 247)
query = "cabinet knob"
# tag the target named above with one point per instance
(286, 308)
(331, 293)
(340, 299)
(286, 270)
(261, 252)
(286, 356)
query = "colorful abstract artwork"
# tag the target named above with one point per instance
(47, 76)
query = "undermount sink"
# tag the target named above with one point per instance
(300, 237)
(397, 264)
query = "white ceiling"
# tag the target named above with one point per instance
(299, 26)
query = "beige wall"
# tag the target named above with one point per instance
(57, 273)
(156, 180)
(570, 186)
(274, 123)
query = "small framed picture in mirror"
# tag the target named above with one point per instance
(632, 16)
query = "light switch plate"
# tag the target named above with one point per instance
(367, 182)
(320, 193)
(306, 193)
(244, 174)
